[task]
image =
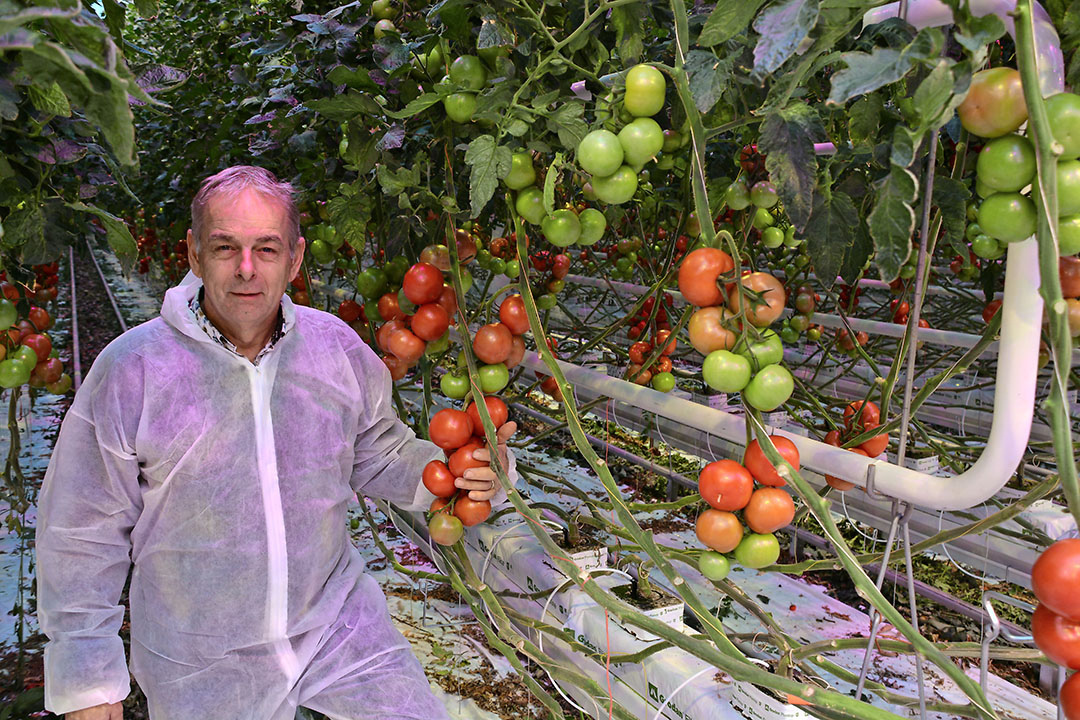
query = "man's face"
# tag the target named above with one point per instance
(244, 261)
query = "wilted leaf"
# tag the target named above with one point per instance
(787, 140)
(392, 139)
(493, 34)
(892, 222)
(782, 27)
(117, 234)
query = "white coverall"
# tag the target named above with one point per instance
(228, 484)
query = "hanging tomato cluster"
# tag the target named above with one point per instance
(659, 373)
(417, 317)
(458, 433)
(1055, 624)
(27, 355)
(729, 488)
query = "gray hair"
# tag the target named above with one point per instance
(233, 180)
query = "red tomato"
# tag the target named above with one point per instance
(1057, 636)
(994, 104)
(423, 283)
(719, 530)
(639, 351)
(766, 299)
(833, 438)
(512, 314)
(990, 310)
(662, 338)
(349, 310)
(639, 375)
(1055, 578)
(39, 318)
(496, 409)
(560, 266)
(448, 301)
(389, 309)
(471, 512)
(517, 352)
(875, 445)
(492, 343)
(404, 345)
(40, 344)
(438, 479)
(870, 416)
(396, 367)
(726, 485)
(430, 321)
(462, 459)
(382, 335)
(450, 429)
(707, 331)
(551, 387)
(759, 466)
(698, 276)
(1069, 697)
(769, 510)
(438, 504)
(1068, 270)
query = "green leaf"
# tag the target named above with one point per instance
(116, 232)
(892, 221)
(938, 95)
(345, 107)
(549, 183)
(488, 163)
(350, 215)
(951, 198)
(115, 19)
(866, 72)
(567, 120)
(25, 226)
(830, 233)
(864, 117)
(787, 140)
(396, 182)
(857, 255)
(727, 20)
(782, 26)
(905, 144)
(49, 99)
(417, 105)
(357, 79)
(146, 8)
(627, 20)
(708, 77)
(10, 21)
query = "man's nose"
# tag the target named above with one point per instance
(246, 269)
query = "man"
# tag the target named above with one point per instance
(219, 445)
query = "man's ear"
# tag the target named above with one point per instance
(193, 257)
(297, 259)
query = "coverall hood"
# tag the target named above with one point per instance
(228, 485)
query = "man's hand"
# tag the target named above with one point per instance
(482, 483)
(115, 711)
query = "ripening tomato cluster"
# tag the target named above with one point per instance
(659, 373)
(729, 489)
(417, 318)
(1055, 624)
(27, 355)
(860, 416)
(749, 365)
(171, 256)
(458, 433)
(1069, 275)
(638, 328)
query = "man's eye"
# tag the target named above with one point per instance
(269, 250)
(223, 248)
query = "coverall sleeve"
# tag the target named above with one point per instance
(89, 502)
(389, 459)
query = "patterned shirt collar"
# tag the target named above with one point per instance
(200, 318)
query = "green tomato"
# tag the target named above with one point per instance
(454, 385)
(371, 283)
(769, 389)
(25, 355)
(497, 266)
(546, 301)
(405, 303)
(713, 565)
(1068, 239)
(772, 237)
(672, 141)
(987, 247)
(371, 312)
(616, 188)
(789, 334)
(493, 378)
(663, 382)
(530, 205)
(1008, 217)
(562, 228)
(973, 230)
(737, 196)
(383, 28)
(907, 272)
(460, 106)
(801, 261)
(645, 88)
(761, 353)
(9, 315)
(1064, 112)
(757, 550)
(490, 55)
(522, 173)
(438, 345)
(641, 140)
(483, 258)
(763, 219)
(14, 373)
(623, 265)
(799, 323)
(322, 253)
(790, 241)
(469, 72)
(600, 153)
(593, 225)
(763, 194)
(665, 161)
(512, 269)
(1068, 187)
(983, 190)
(724, 371)
(813, 334)
(1007, 163)
(396, 269)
